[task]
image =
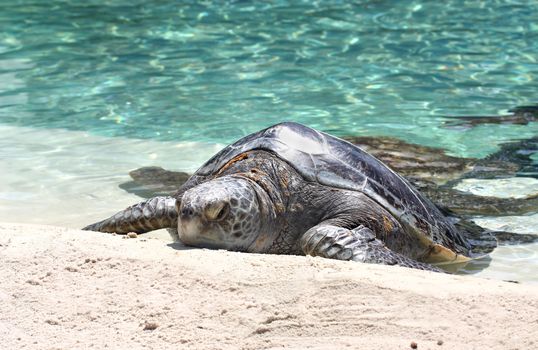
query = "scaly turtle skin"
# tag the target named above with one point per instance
(290, 189)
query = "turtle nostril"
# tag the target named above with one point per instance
(186, 212)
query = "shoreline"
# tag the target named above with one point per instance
(64, 288)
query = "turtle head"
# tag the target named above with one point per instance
(223, 213)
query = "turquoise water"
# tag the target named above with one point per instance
(214, 71)
(92, 89)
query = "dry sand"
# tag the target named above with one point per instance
(68, 289)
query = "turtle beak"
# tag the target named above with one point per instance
(187, 220)
(189, 226)
(193, 224)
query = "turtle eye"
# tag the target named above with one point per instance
(216, 211)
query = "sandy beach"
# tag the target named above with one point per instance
(69, 289)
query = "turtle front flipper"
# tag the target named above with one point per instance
(359, 244)
(152, 214)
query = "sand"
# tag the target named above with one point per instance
(69, 289)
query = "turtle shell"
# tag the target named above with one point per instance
(328, 160)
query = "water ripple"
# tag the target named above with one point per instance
(109, 67)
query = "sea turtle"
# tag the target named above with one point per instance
(290, 189)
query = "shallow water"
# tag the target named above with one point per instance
(90, 90)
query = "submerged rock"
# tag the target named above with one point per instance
(524, 224)
(514, 187)
(416, 161)
(523, 153)
(521, 115)
(153, 180)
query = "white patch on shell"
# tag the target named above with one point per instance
(297, 141)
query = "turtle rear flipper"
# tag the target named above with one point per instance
(152, 214)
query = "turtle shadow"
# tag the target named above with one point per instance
(180, 246)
